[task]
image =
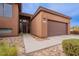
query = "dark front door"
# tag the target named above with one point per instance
(24, 26)
(56, 28)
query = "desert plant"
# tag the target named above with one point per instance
(75, 30)
(71, 47)
(6, 50)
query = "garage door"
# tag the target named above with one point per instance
(56, 28)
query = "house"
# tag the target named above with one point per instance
(9, 19)
(43, 23)
(46, 22)
(12, 20)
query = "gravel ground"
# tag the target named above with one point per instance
(54, 50)
(18, 41)
(33, 43)
(50, 51)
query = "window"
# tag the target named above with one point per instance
(1, 9)
(5, 10)
(5, 30)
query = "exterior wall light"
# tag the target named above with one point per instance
(44, 21)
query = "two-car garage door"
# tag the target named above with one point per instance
(56, 28)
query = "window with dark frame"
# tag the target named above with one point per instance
(1, 9)
(5, 30)
(5, 10)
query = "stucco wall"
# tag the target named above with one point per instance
(39, 23)
(6, 22)
(36, 26)
(55, 17)
(46, 16)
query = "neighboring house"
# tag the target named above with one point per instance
(9, 19)
(47, 22)
(43, 23)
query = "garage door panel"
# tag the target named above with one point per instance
(56, 28)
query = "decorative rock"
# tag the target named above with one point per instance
(17, 41)
(51, 51)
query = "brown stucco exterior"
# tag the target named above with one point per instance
(37, 23)
(40, 21)
(11, 22)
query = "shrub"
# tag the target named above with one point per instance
(71, 47)
(74, 32)
(6, 50)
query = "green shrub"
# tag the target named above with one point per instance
(6, 50)
(71, 47)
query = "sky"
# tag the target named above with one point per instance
(69, 9)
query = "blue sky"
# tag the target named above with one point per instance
(71, 9)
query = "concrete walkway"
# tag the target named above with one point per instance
(31, 44)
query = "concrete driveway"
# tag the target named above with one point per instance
(31, 44)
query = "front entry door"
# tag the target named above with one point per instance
(24, 26)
